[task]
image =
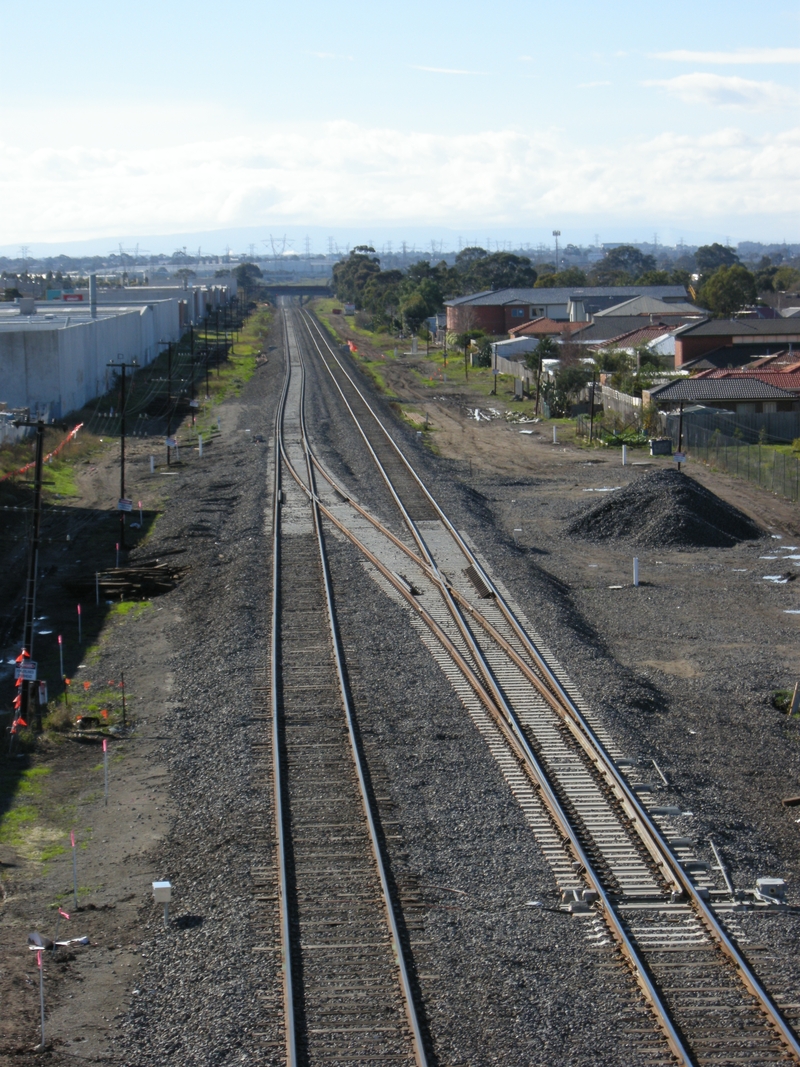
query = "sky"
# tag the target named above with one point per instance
(437, 120)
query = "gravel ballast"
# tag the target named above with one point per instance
(665, 509)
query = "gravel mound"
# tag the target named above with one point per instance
(665, 509)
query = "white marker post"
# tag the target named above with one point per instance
(624, 455)
(105, 767)
(117, 548)
(152, 464)
(96, 589)
(162, 894)
(61, 655)
(555, 436)
(74, 870)
(636, 570)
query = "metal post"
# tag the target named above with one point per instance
(40, 961)
(124, 713)
(680, 432)
(123, 400)
(33, 568)
(169, 398)
(591, 412)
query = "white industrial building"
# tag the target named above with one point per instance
(54, 353)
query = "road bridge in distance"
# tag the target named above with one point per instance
(304, 292)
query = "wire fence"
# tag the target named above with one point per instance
(775, 469)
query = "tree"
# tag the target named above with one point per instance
(728, 290)
(477, 270)
(546, 349)
(786, 277)
(710, 257)
(351, 275)
(245, 274)
(414, 311)
(563, 279)
(653, 277)
(621, 265)
(502, 270)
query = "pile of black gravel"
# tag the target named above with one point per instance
(665, 509)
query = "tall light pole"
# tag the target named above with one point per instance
(556, 234)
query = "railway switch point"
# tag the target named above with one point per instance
(771, 890)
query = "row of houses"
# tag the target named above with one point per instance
(746, 368)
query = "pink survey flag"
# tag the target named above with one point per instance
(72, 838)
(62, 913)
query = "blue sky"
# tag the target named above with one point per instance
(437, 118)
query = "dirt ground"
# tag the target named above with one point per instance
(723, 642)
(87, 987)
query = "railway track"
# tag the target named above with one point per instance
(621, 859)
(347, 991)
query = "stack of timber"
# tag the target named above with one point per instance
(129, 583)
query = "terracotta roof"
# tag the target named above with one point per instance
(544, 327)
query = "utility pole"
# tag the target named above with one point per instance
(123, 367)
(169, 399)
(29, 688)
(591, 411)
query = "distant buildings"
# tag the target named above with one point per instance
(501, 311)
(53, 353)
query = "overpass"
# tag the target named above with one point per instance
(304, 291)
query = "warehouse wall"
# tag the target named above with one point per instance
(64, 367)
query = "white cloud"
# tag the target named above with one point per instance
(448, 70)
(743, 55)
(330, 55)
(715, 90)
(340, 173)
(591, 85)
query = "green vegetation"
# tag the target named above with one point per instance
(397, 300)
(782, 699)
(728, 290)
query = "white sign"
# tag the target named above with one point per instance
(194, 403)
(123, 504)
(679, 457)
(171, 442)
(26, 671)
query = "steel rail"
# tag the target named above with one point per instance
(394, 930)
(492, 697)
(648, 831)
(277, 775)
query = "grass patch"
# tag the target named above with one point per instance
(782, 700)
(134, 608)
(16, 823)
(30, 783)
(62, 475)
